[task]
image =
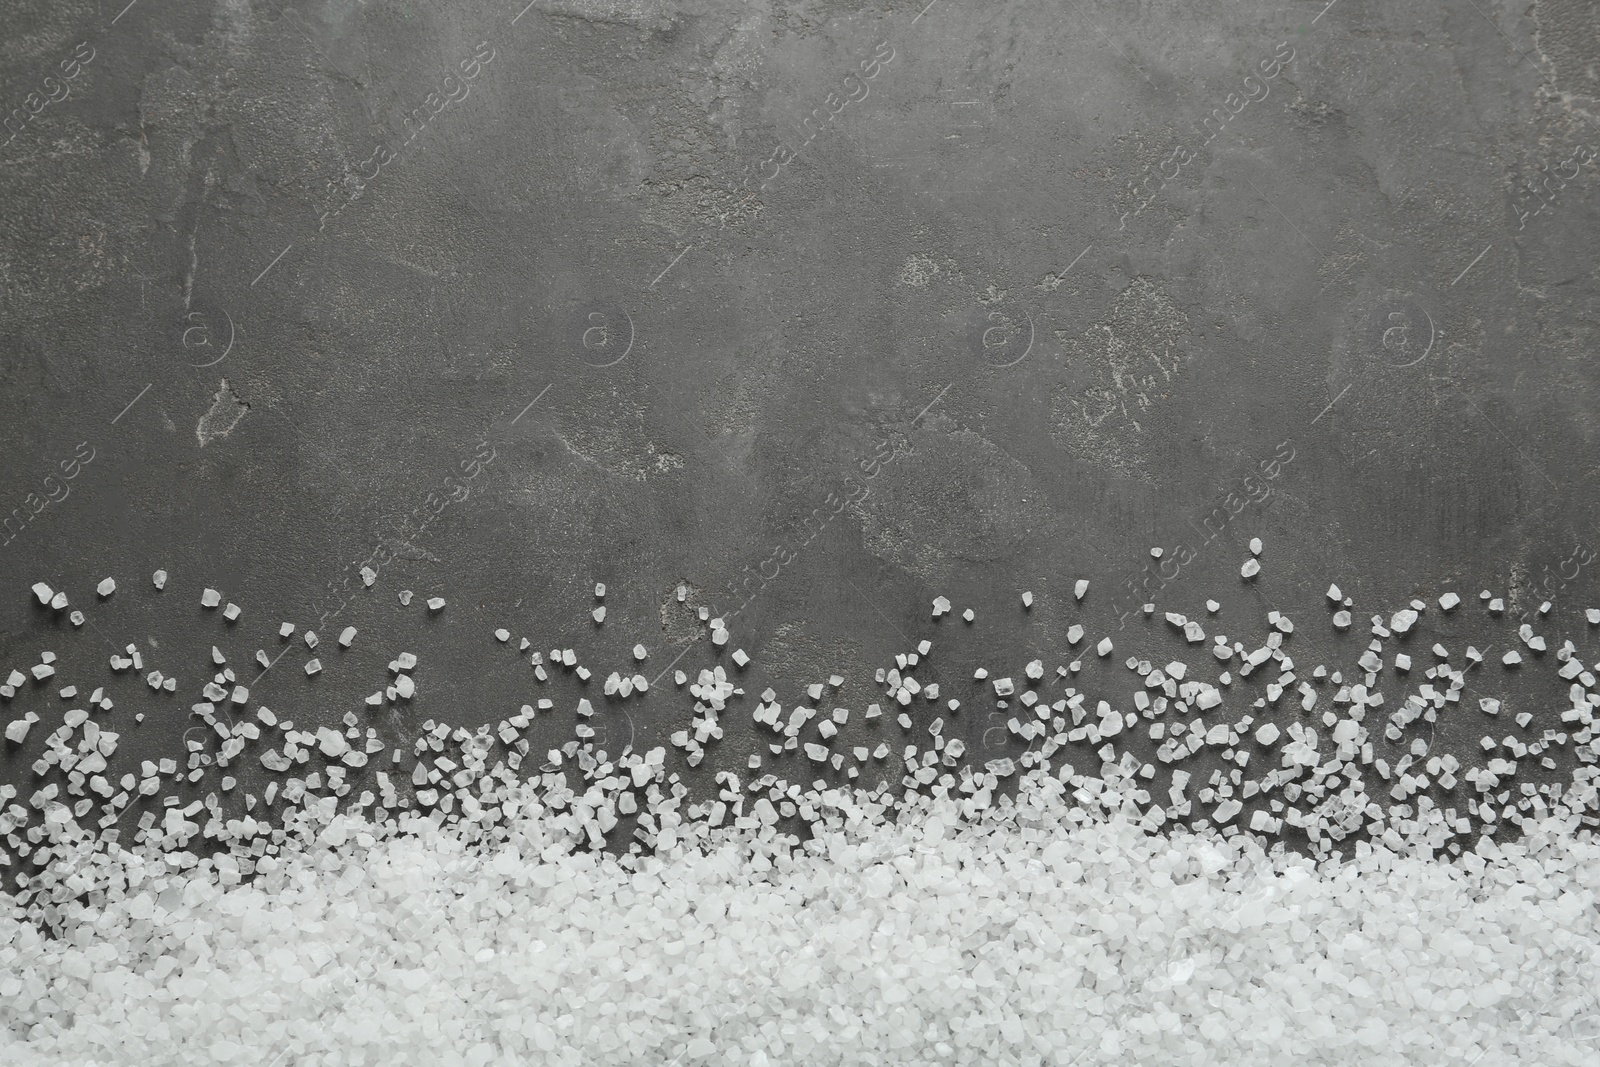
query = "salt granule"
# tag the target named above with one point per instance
(484, 924)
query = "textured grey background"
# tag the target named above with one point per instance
(317, 336)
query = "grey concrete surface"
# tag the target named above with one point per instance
(1000, 295)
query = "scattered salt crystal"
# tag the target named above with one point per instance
(968, 615)
(313, 666)
(1334, 594)
(346, 636)
(502, 635)
(1213, 607)
(1255, 546)
(740, 657)
(640, 652)
(368, 576)
(436, 603)
(1104, 647)
(106, 587)
(210, 598)
(159, 580)
(1027, 600)
(599, 614)
(1081, 588)
(58, 601)
(1449, 601)
(1511, 659)
(405, 597)
(1250, 569)
(231, 612)
(43, 592)
(600, 590)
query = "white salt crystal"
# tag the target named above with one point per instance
(1267, 734)
(43, 592)
(436, 603)
(159, 580)
(313, 666)
(1104, 647)
(1027, 600)
(106, 587)
(599, 614)
(210, 598)
(1081, 588)
(231, 612)
(941, 606)
(1334, 594)
(1250, 569)
(1449, 601)
(346, 636)
(968, 615)
(1255, 546)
